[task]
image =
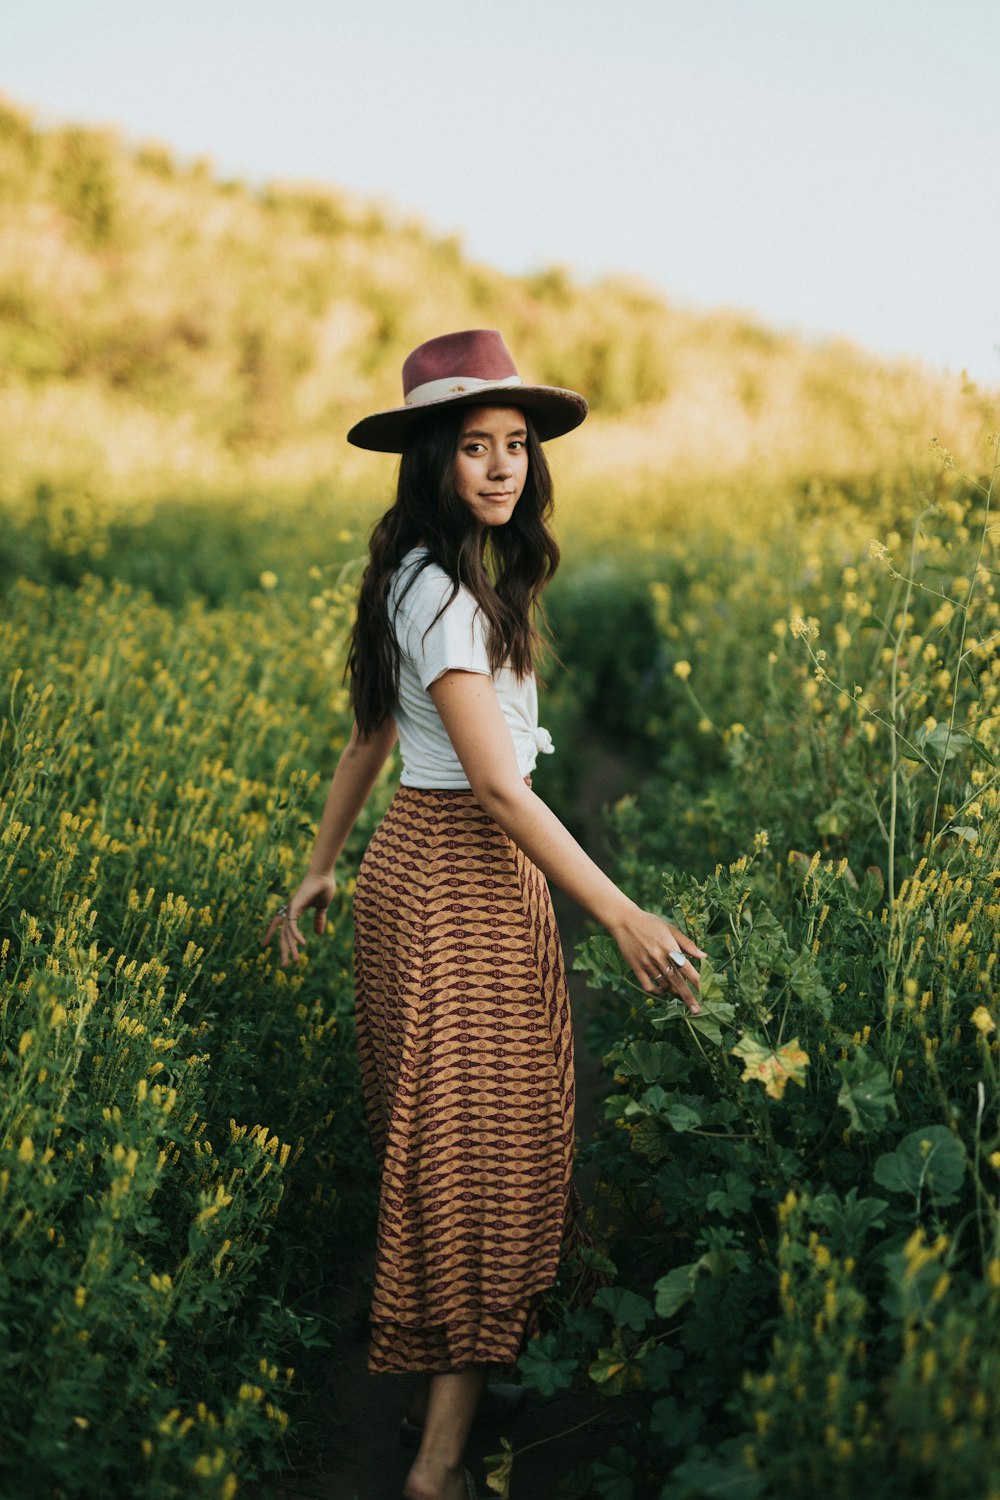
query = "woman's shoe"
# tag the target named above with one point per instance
(498, 1403)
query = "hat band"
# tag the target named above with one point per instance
(457, 385)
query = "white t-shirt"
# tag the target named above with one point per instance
(457, 639)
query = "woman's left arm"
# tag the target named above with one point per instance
(471, 712)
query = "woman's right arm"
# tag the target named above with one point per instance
(357, 771)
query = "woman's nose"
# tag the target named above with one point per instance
(500, 467)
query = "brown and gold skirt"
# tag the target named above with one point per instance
(466, 1053)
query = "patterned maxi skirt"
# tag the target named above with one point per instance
(466, 1056)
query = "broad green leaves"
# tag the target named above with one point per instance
(678, 1286)
(866, 1092)
(545, 1368)
(928, 1160)
(849, 1220)
(627, 1309)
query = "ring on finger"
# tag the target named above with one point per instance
(677, 957)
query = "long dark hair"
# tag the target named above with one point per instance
(504, 567)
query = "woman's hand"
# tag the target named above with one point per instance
(659, 953)
(316, 891)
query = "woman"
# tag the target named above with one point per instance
(463, 1017)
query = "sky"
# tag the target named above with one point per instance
(827, 166)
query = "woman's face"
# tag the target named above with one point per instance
(491, 465)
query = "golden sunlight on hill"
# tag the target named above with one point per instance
(165, 332)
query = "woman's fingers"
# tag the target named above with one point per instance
(673, 971)
(689, 974)
(291, 938)
(676, 985)
(312, 893)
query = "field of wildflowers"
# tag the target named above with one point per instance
(798, 1213)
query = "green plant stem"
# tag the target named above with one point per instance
(961, 646)
(894, 747)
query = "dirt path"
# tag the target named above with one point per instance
(358, 1417)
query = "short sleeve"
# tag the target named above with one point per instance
(441, 642)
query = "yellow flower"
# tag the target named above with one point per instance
(982, 1020)
(26, 1150)
(268, 580)
(682, 669)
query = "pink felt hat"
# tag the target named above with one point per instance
(472, 368)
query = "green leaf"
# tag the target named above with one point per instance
(871, 892)
(716, 1011)
(658, 1365)
(943, 743)
(544, 1368)
(720, 1476)
(982, 751)
(612, 1475)
(615, 1369)
(676, 1288)
(682, 1117)
(600, 959)
(866, 1092)
(595, 1261)
(930, 1159)
(628, 1309)
(650, 1102)
(582, 1325)
(711, 989)
(768, 941)
(715, 1014)
(850, 1221)
(735, 1197)
(677, 1426)
(577, 1484)
(498, 1469)
(650, 1061)
(835, 820)
(806, 982)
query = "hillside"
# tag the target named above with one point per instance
(162, 331)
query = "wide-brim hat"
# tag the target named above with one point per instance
(472, 368)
